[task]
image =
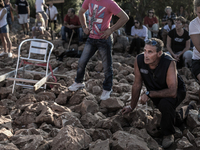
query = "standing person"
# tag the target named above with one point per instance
(139, 33)
(129, 23)
(194, 31)
(53, 14)
(23, 13)
(99, 31)
(71, 22)
(151, 22)
(4, 31)
(9, 8)
(178, 43)
(39, 6)
(164, 86)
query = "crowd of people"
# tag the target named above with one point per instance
(22, 10)
(153, 67)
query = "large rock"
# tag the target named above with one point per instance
(27, 142)
(6, 122)
(63, 97)
(192, 119)
(5, 134)
(88, 106)
(122, 140)
(112, 104)
(77, 98)
(45, 116)
(88, 120)
(151, 143)
(8, 146)
(67, 118)
(71, 138)
(100, 145)
(99, 134)
(184, 143)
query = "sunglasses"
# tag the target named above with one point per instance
(151, 42)
(151, 12)
(136, 22)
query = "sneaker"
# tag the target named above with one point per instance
(3, 53)
(9, 55)
(105, 94)
(168, 141)
(75, 86)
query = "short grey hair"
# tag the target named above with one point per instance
(168, 7)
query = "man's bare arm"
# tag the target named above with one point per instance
(172, 84)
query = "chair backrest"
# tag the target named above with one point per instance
(38, 48)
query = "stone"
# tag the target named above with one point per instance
(197, 141)
(63, 97)
(27, 142)
(8, 146)
(71, 138)
(88, 120)
(112, 104)
(77, 97)
(99, 66)
(45, 116)
(88, 106)
(122, 140)
(4, 92)
(96, 90)
(66, 118)
(5, 134)
(100, 145)
(192, 120)
(184, 143)
(6, 122)
(59, 109)
(99, 134)
(151, 143)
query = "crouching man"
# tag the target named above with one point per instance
(164, 86)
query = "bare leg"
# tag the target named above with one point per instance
(8, 41)
(3, 42)
(23, 28)
(27, 27)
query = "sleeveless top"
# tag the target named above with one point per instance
(39, 22)
(3, 21)
(156, 79)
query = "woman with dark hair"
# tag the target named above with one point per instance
(151, 22)
(182, 12)
(168, 27)
(4, 31)
(139, 34)
(178, 43)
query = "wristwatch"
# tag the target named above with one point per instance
(147, 93)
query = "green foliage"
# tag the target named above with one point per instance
(140, 7)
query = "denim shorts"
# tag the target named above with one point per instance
(4, 29)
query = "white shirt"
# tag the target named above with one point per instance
(39, 5)
(140, 32)
(166, 27)
(53, 11)
(3, 21)
(194, 28)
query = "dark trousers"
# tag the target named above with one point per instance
(55, 21)
(167, 106)
(136, 44)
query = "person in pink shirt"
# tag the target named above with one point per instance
(99, 31)
(151, 22)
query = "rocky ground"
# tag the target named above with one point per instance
(57, 119)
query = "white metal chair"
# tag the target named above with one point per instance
(39, 55)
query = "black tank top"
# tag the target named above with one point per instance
(156, 79)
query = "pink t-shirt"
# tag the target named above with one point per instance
(100, 14)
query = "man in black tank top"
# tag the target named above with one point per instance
(164, 86)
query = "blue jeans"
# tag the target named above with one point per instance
(104, 47)
(69, 31)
